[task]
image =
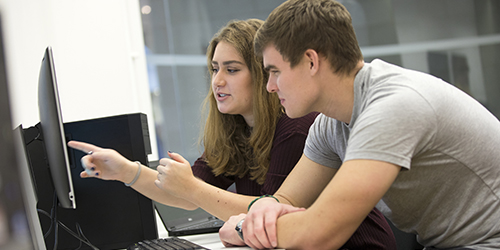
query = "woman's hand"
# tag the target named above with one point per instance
(175, 175)
(102, 163)
(227, 233)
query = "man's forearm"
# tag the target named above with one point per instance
(283, 199)
(302, 230)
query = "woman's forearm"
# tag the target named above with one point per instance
(145, 185)
(218, 202)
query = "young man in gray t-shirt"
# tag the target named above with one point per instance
(421, 149)
(443, 140)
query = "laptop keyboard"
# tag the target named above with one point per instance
(171, 243)
(208, 224)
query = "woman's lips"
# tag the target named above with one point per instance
(222, 96)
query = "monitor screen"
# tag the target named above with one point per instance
(53, 132)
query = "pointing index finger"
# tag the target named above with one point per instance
(83, 146)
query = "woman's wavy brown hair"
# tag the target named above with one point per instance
(231, 147)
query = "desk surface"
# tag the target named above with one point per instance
(210, 240)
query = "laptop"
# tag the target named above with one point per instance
(180, 222)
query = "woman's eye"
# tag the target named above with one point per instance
(214, 71)
(232, 70)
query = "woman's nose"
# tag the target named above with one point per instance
(218, 80)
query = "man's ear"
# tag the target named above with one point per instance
(312, 58)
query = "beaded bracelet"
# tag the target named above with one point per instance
(260, 197)
(136, 175)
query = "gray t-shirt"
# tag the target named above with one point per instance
(446, 143)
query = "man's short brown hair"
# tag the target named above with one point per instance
(322, 25)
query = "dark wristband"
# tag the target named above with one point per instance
(260, 197)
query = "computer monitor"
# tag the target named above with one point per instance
(20, 227)
(53, 132)
(28, 189)
(19, 224)
(109, 215)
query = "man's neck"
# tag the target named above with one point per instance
(338, 97)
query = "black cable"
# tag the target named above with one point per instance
(51, 220)
(56, 234)
(80, 232)
(66, 228)
(54, 220)
(55, 223)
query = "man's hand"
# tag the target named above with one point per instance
(175, 175)
(228, 234)
(259, 227)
